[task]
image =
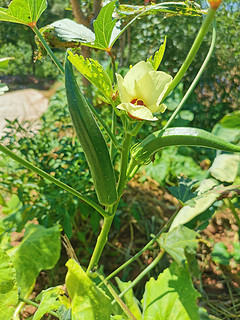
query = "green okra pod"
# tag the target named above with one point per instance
(180, 136)
(91, 139)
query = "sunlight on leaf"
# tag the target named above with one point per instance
(87, 301)
(129, 298)
(23, 11)
(39, 249)
(171, 297)
(103, 26)
(176, 241)
(94, 72)
(51, 299)
(225, 167)
(156, 60)
(8, 287)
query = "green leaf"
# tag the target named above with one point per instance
(225, 167)
(207, 196)
(39, 249)
(129, 298)
(176, 241)
(8, 287)
(171, 297)
(231, 120)
(155, 62)
(236, 251)
(23, 11)
(170, 8)
(94, 72)
(50, 300)
(4, 63)
(103, 26)
(69, 30)
(183, 192)
(220, 254)
(87, 300)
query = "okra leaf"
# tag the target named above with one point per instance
(103, 26)
(231, 120)
(129, 298)
(43, 251)
(225, 167)
(87, 300)
(51, 299)
(156, 60)
(4, 63)
(220, 254)
(94, 72)
(8, 286)
(171, 297)
(173, 8)
(176, 242)
(25, 12)
(183, 192)
(68, 30)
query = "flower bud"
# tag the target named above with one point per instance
(214, 4)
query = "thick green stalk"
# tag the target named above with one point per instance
(103, 236)
(193, 51)
(101, 241)
(197, 78)
(143, 273)
(50, 178)
(48, 49)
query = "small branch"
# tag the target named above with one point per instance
(48, 49)
(50, 178)
(34, 304)
(196, 80)
(78, 13)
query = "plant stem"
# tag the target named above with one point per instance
(101, 241)
(147, 246)
(197, 78)
(34, 304)
(50, 178)
(193, 51)
(124, 163)
(114, 118)
(117, 298)
(48, 49)
(143, 273)
(103, 236)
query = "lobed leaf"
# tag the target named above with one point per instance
(183, 192)
(39, 249)
(25, 12)
(176, 242)
(171, 297)
(94, 72)
(8, 286)
(87, 300)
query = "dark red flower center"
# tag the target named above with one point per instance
(138, 102)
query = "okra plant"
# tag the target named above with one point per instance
(135, 99)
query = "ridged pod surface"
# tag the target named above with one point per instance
(91, 139)
(179, 137)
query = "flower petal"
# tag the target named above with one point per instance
(136, 73)
(137, 112)
(152, 86)
(125, 94)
